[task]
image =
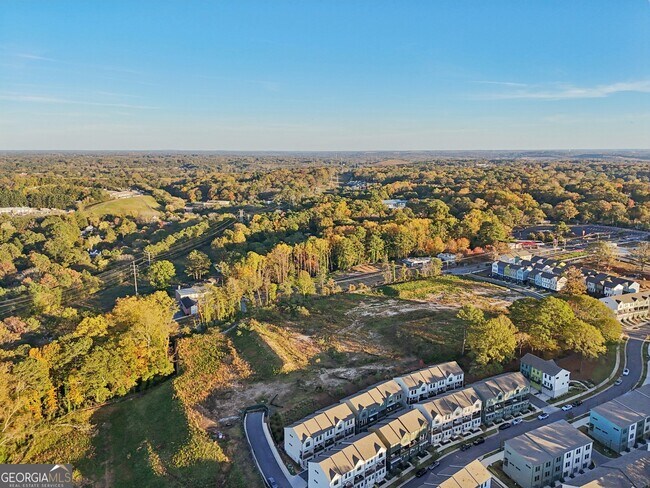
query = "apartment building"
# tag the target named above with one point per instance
(359, 462)
(629, 305)
(452, 414)
(603, 284)
(375, 403)
(629, 471)
(431, 381)
(474, 475)
(404, 436)
(503, 396)
(620, 423)
(547, 454)
(545, 375)
(318, 432)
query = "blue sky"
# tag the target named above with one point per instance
(324, 75)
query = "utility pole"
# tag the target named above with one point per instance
(148, 257)
(135, 278)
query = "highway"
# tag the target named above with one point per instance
(459, 459)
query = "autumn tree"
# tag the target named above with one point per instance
(575, 282)
(198, 264)
(492, 341)
(161, 274)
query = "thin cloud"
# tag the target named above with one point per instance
(569, 92)
(501, 83)
(12, 97)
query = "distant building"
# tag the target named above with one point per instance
(542, 456)
(452, 414)
(318, 432)
(545, 375)
(416, 262)
(359, 462)
(375, 403)
(188, 298)
(621, 423)
(629, 471)
(603, 284)
(405, 436)
(431, 381)
(394, 203)
(503, 396)
(474, 475)
(629, 305)
(447, 257)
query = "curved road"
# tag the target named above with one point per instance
(458, 459)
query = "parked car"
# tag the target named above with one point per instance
(626, 372)
(272, 483)
(517, 421)
(505, 426)
(542, 416)
(618, 381)
(577, 403)
(567, 407)
(465, 447)
(434, 465)
(479, 440)
(421, 472)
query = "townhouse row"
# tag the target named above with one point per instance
(548, 274)
(542, 272)
(322, 430)
(630, 305)
(399, 437)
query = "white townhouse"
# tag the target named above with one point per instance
(431, 381)
(545, 375)
(542, 456)
(359, 462)
(317, 432)
(629, 305)
(452, 414)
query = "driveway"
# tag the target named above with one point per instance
(263, 451)
(458, 459)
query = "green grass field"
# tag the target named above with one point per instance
(144, 207)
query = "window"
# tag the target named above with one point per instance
(567, 464)
(536, 478)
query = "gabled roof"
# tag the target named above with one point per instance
(628, 297)
(322, 421)
(347, 456)
(547, 366)
(432, 374)
(471, 476)
(373, 396)
(503, 383)
(395, 428)
(187, 302)
(448, 403)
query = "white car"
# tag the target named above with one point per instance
(618, 381)
(626, 372)
(568, 407)
(516, 421)
(543, 416)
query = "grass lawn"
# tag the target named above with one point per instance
(144, 207)
(452, 291)
(594, 370)
(136, 443)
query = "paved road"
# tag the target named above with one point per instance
(262, 450)
(458, 459)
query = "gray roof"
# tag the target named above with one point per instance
(629, 471)
(627, 409)
(547, 366)
(503, 383)
(548, 442)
